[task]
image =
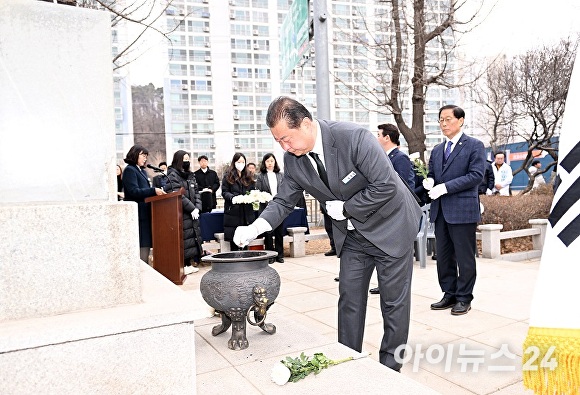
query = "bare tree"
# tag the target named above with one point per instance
(149, 121)
(543, 79)
(495, 96)
(407, 48)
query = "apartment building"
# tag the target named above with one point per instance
(224, 70)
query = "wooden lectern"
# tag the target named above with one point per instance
(167, 230)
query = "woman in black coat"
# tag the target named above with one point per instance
(268, 180)
(137, 188)
(180, 176)
(237, 181)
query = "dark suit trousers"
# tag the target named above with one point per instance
(455, 258)
(358, 259)
(328, 227)
(278, 243)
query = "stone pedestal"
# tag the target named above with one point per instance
(79, 312)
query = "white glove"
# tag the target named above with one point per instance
(488, 192)
(334, 208)
(195, 213)
(428, 183)
(205, 190)
(245, 234)
(437, 191)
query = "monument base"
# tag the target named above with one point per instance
(141, 348)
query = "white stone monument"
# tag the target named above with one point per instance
(79, 312)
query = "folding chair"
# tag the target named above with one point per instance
(422, 236)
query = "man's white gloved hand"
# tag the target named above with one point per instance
(334, 208)
(195, 214)
(205, 190)
(245, 234)
(437, 191)
(428, 183)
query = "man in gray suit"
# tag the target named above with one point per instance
(374, 216)
(456, 169)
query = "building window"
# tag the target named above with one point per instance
(177, 69)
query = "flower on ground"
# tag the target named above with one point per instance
(280, 373)
(294, 369)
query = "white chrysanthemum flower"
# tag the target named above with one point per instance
(254, 196)
(414, 155)
(280, 373)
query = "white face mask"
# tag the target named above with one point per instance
(240, 166)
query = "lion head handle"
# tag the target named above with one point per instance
(260, 305)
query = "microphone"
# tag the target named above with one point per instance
(156, 169)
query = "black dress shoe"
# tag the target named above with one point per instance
(330, 253)
(461, 308)
(336, 279)
(280, 260)
(444, 303)
(374, 291)
(434, 257)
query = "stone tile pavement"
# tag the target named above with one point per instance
(478, 353)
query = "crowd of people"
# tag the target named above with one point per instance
(372, 217)
(199, 190)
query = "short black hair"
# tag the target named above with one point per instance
(162, 163)
(133, 154)
(535, 162)
(457, 111)
(388, 129)
(202, 157)
(499, 152)
(288, 109)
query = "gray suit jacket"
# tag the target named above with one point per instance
(360, 174)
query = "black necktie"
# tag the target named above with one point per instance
(320, 168)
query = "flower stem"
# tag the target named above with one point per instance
(337, 361)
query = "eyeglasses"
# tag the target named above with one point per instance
(145, 155)
(447, 120)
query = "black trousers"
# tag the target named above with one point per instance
(274, 240)
(359, 257)
(456, 258)
(328, 227)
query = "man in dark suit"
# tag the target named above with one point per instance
(374, 216)
(456, 169)
(208, 183)
(160, 180)
(488, 182)
(388, 137)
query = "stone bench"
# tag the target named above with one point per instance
(296, 237)
(491, 236)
